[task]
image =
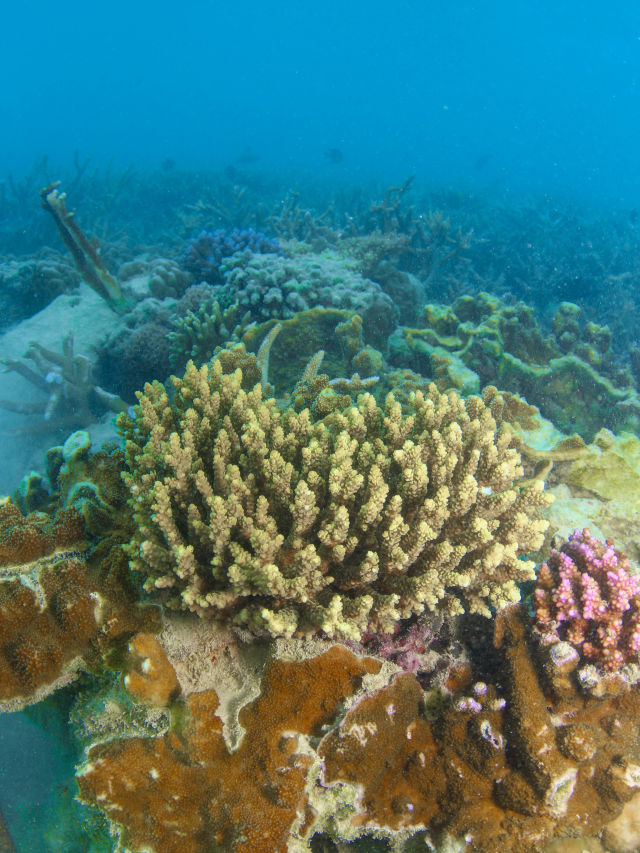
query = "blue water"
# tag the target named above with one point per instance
(534, 96)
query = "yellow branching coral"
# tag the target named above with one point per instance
(255, 514)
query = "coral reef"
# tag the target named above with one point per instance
(586, 596)
(204, 254)
(29, 284)
(287, 615)
(276, 287)
(479, 340)
(260, 516)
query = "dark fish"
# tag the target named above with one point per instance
(334, 155)
(482, 161)
(247, 157)
(634, 215)
(168, 164)
(6, 844)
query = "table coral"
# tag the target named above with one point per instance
(586, 596)
(248, 513)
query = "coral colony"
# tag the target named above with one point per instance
(586, 596)
(289, 610)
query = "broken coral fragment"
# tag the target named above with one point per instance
(85, 253)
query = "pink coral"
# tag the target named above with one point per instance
(587, 597)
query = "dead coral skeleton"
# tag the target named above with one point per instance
(72, 398)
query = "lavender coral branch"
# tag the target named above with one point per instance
(587, 597)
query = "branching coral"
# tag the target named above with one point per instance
(587, 597)
(261, 516)
(73, 399)
(197, 334)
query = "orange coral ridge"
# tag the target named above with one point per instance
(510, 777)
(180, 794)
(25, 539)
(155, 682)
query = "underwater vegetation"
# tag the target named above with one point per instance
(363, 571)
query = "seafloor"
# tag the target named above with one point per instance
(365, 574)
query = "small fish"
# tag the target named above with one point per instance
(334, 155)
(6, 843)
(247, 157)
(482, 160)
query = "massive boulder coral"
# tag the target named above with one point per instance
(276, 287)
(249, 513)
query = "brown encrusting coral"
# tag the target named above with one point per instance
(58, 613)
(335, 744)
(186, 792)
(258, 515)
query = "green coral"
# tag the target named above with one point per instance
(254, 514)
(570, 375)
(197, 335)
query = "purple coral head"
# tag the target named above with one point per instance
(587, 596)
(203, 254)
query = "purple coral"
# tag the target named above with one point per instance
(587, 597)
(203, 254)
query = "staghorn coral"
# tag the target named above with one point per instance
(586, 597)
(248, 513)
